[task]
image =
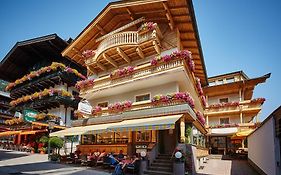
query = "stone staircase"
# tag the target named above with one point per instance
(162, 165)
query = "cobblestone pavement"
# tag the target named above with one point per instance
(13, 162)
(227, 167)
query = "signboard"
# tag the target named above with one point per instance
(29, 115)
(85, 107)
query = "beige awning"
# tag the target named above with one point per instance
(83, 130)
(69, 132)
(154, 123)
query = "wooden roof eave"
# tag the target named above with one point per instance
(236, 85)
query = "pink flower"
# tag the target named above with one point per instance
(153, 62)
(88, 53)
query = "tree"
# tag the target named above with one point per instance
(56, 143)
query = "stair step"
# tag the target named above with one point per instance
(156, 168)
(161, 164)
(163, 160)
(152, 172)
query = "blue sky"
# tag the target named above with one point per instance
(235, 35)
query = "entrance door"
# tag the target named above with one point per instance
(218, 145)
(167, 141)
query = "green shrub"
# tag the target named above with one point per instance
(56, 142)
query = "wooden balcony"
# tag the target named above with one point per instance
(246, 107)
(121, 48)
(144, 109)
(49, 102)
(44, 82)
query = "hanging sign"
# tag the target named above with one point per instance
(29, 115)
(85, 107)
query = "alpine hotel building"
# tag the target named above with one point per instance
(145, 76)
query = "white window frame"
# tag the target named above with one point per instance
(149, 93)
(224, 118)
(103, 102)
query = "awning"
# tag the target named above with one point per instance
(32, 132)
(242, 134)
(69, 132)
(154, 123)
(83, 130)
(9, 133)
(223, 131)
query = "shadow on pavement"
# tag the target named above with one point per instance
(5, 155)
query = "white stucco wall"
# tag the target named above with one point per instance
(216, 120)
(231, 97)
(261, 147)
(63, 113)
(163, 89)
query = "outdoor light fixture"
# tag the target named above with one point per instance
(178, 155)
(143, 154)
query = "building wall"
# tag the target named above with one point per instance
(261, 148)
(215, 99)
(216, 120)
(163, 89)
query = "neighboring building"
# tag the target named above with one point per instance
(264, 145)
(231, 113)
(5, 114)
(143, 85)
(41, 86)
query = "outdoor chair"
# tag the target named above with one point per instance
(106, 162)
(84, 160)
(133, 168)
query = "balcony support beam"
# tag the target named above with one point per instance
(123, 55)
(156, 47)
(169, 16)
(140, 53)
(111, 61)
(101, 66)
(131, 14)
(100, 29)
(182, 130)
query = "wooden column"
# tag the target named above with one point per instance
(240, 94)
(182, 130)
(153, 139)
(207, 120)
(19, 139)
(130, 139)
(207, 100)
(241, 117)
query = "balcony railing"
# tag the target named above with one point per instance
(125, 38)
(231, 125)
(243, 106)
(139, 72)
(140, 110)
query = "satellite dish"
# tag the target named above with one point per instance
(178, 155)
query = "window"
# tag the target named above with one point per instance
(224, 100)
(142, 97)
(224, 121)
(121, 137)
(88, 139)
(212, 83)
(103, 104)
(230, 80)
(143, 136)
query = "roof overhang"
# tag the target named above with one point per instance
(246, 85)
(177, 13)
(25, 54)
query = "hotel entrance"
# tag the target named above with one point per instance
(167, 141)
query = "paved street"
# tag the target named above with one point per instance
(12, 162)
(227, 167)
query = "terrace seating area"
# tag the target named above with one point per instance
(111, 162)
